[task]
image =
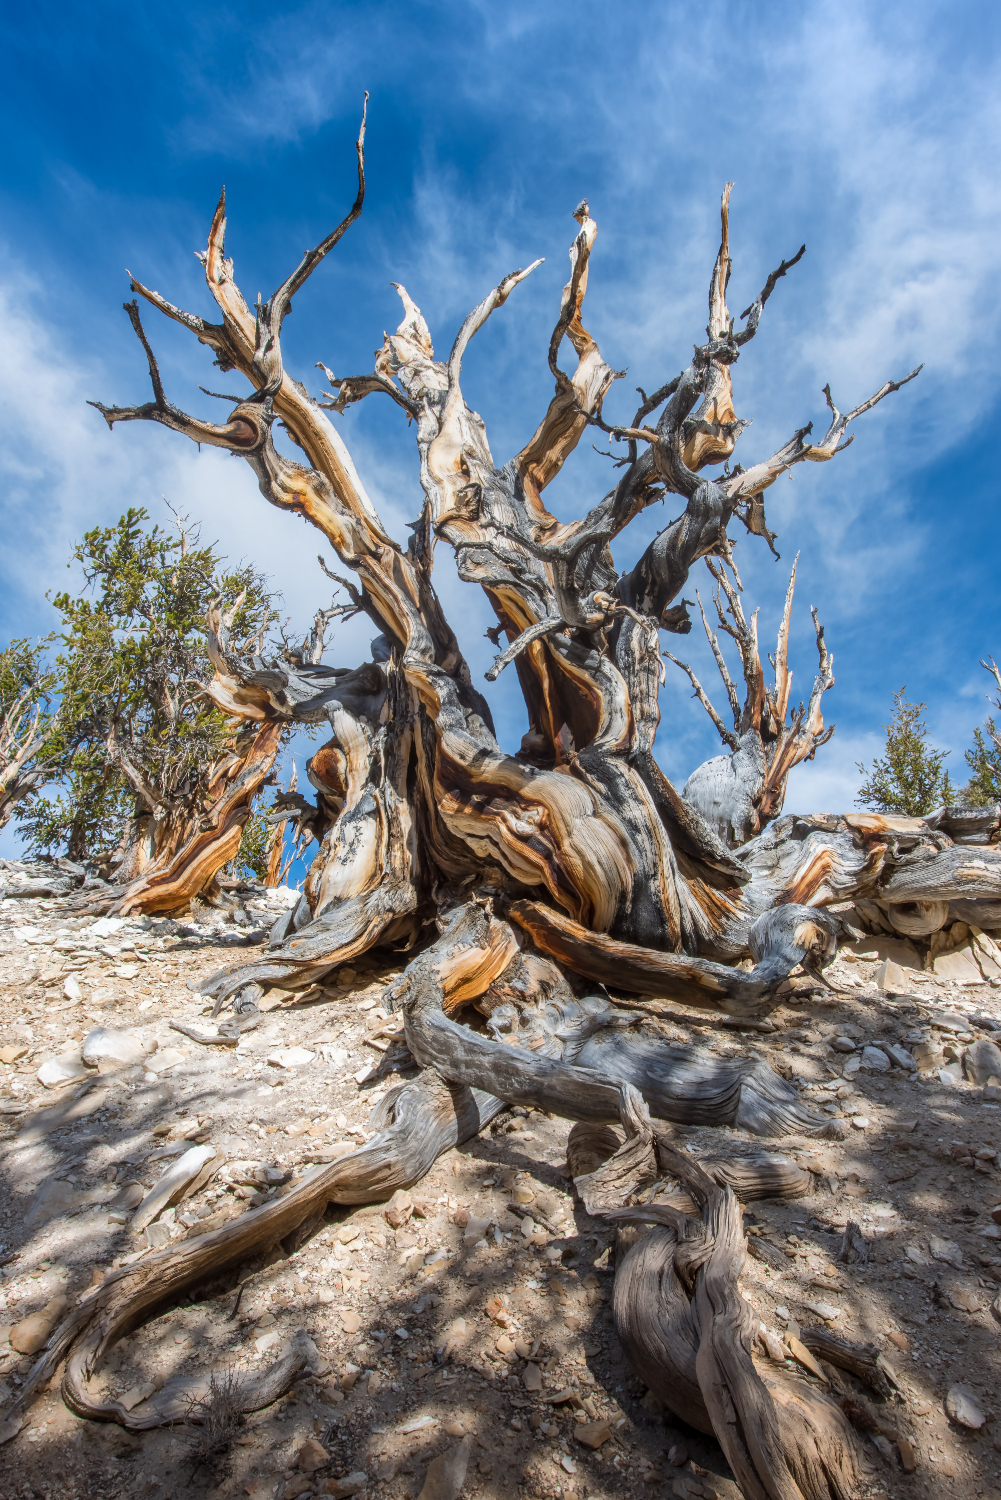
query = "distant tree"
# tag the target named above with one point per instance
(137, 743)
(909, 778)
(255, 845)
(26, 722)
(984, 760)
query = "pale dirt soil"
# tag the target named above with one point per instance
(901, 1187)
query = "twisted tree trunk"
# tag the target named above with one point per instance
(572, 864)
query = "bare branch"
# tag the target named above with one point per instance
(755, 310)
(783, 676)
(356, 387)
(475, 320)
(281, 300)
(577, 397)
(533, 633)
(239, 434)
(726, 735)
(991, 666)
(743, 484)
(713, 639)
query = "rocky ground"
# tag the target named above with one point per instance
(471, 1317)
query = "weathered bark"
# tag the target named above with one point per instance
(692, 1338)
(175, 853)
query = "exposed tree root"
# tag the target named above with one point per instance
(571, 1056)
(418, 1122)
(691, 1337)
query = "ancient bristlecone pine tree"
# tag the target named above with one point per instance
(573, 863)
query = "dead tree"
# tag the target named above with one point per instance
(566, 869)
(738, 794)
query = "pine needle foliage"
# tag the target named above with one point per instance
(910, 777)
(135, 733)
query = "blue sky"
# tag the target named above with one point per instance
(869, 131)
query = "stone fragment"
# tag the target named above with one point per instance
(891, 978)
(802, 1355)
(348, 1484)
(951, 1075)
(900, 1340)
(399, 1208)
(14, 1053)
(532, 1378)
(959, 967)
(496, 1311)
(908, 1457)
(917, 1255)
(347, 1233)
(946, 1250)
(108, 1046)
(71, 988)
(843, 1044)
(172, 1184)
(68, 1067)
(965, 1300)
(311, 1456)
(823, 1310)
(982, 1062)
(476, 1229)
(334, 1152)
(962, 1405)
(291, 1057)
(166, 1057)
(137, 1394)
(32, 1333)
(592, 1434)
(447, 1473)
(53, 1198)
(350, 1321)
(900, 1055)
(773, 1344)
(105, 926)
(875, 1060)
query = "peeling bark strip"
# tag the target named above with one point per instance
(574, 854)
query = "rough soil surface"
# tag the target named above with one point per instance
(446, 1314)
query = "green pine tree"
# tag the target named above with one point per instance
(984, 761)
(131, 663)
(910, 777)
